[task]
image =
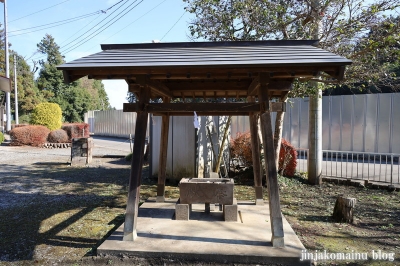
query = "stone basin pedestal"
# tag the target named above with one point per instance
(208, 191)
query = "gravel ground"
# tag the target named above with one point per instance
(19, 161)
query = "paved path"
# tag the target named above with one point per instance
(103, 147)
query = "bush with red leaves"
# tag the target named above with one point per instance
(287, 159)
(240, 149)
(76, 130)
(19, 125)
(29, 135)
(58, 136)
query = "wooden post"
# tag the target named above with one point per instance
(272, 178)
(162, 167)
(132, 206)
(343, 211)
(255, 152)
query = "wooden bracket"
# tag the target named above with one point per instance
(264, 78)
(252, 90)
(157, 87)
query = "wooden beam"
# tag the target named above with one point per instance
(198, 73)
(203, 113)
(193, 107)
(255, 152)
(271, 171)
(273, 85)
(340, 73)
(157, 87)
(177, 108)
(255, 84)
(68, 78)
(132, 206)
(207, 85)
(162, 167)
(134, 88)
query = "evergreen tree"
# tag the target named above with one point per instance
(51, 81)
(28, 94)
(76, 98)
(98, 96)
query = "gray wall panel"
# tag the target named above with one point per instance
(326, 123)
(347, 123)
(114, 123)
(291, 122)
(288, 126)
(383, 122)
(395, 146)
(303, 117)
(335, 124)
(239, 124)
(358, 122)
(184, 147)
(371, 123)
(156, 142)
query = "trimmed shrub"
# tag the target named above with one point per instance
(287, 159)
(240, 149)
(29, 135)
(58, 136)
(76, 130)
(1, 137)
(48, 115)
(19, 125)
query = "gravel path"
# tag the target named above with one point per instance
(17, 163)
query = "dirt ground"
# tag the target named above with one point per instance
(55, 214)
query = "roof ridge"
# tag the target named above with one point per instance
(208, 44)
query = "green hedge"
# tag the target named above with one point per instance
(48, 115)
(1, 137)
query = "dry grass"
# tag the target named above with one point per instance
(56, 214)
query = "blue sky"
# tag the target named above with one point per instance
(135, 27)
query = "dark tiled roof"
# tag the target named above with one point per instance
(209, 54)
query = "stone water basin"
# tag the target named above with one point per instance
(206, 190)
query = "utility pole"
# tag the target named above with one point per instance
(16, 90)
(8, 104)
(315, 114)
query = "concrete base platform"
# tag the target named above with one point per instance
(206, 237)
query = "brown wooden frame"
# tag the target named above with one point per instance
(218, 77)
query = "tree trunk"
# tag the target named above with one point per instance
(260, 140)
(343, 211)
(221, 147)
(278, 132)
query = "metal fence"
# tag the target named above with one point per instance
(375, 167)
(113, 123)
(360, 135)
(357, 123)
(353, 126)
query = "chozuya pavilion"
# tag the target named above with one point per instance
(254, 70)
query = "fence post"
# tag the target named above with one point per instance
(391, 168)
